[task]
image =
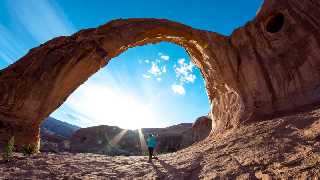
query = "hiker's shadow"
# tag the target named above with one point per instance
(170, 170)
(159, 173)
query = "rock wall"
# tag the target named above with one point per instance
(201, 128)
(266, 68)
(112, 140)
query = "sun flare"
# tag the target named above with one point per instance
(103, 105)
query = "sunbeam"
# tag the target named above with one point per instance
(116, 139)
(143, 143)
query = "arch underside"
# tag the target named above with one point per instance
(249, 75)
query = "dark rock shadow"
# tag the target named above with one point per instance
(172, 171)
(195, 167)
(160, 174)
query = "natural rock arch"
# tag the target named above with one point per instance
(252, 74)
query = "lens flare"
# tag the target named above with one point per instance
(143, 143)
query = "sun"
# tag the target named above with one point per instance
(103, 105)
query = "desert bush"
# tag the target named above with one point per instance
(29, 149)
(8, 150)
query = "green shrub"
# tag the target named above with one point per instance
(29, 149)
(8, 150)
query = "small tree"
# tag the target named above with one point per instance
(8, 150)
(29, 149)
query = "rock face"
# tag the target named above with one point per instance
(112, 140)
(173, 138)
(55, 135)
(58, 127)
(201, 128)
(250, 75)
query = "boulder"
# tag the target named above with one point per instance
(201, 128)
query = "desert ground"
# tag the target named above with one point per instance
(285, 147)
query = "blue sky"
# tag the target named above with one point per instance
(147, 86)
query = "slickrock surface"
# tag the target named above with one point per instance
(279, 148)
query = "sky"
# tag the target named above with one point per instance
(147, 86)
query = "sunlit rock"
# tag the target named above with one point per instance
(201, 128)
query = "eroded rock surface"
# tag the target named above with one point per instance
(201, 128)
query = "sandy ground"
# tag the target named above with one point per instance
(287, 147)
(85, 166)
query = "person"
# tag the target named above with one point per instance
(151, 143)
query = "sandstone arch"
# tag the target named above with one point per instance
(252, 74)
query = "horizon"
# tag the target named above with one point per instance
(153, 85)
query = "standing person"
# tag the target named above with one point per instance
(151, 142)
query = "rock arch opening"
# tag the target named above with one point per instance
(138, 90)
(156, 85)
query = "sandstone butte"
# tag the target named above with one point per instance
(263, 82)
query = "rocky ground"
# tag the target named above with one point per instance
(278, 148)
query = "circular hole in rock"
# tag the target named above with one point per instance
(275, 23)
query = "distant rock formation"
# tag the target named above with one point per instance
(58, 136)
(58, 127)
(112, 140)
(55, 134)
(201, 128)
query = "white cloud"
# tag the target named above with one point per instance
(42, 19)
(178, 89)
(190, 78)
(184, 71)
(181, 61)
(165, 57)
(146, 76)
(156, 69)
(164, 69)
